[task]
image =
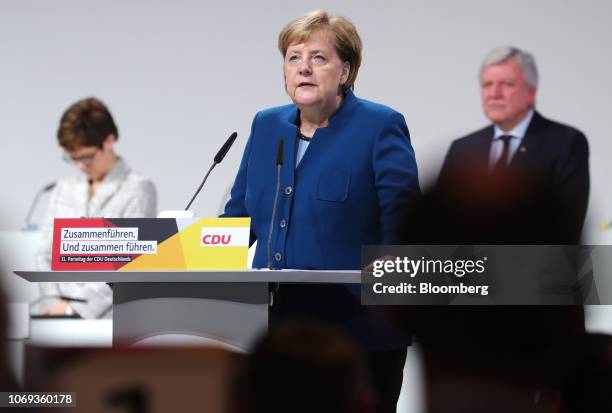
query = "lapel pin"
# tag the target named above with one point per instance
(522, 149)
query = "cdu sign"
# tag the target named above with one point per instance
(224, 237)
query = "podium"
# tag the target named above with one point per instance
(227, 308)
(18, 249)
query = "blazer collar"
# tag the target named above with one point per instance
(534, 126)
(110, 185)
(529, 143)
(348, 102)
(530, 140)
(290, 130)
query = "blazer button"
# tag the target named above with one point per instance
(288, 191)
(283, 223)
(278, 256)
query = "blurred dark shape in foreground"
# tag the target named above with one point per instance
(139, 380)
(588, 382)
(306, 367)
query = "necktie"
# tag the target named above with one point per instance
(502, 163)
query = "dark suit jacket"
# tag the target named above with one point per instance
(542, 199)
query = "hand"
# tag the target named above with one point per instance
(59, 307)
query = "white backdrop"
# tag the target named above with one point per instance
(180, 76)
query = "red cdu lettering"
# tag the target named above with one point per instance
(215, 239)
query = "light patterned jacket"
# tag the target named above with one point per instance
(122, 194)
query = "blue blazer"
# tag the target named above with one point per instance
(353, 186)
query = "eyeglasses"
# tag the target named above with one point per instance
(86, 159)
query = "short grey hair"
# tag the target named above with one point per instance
(525, 61)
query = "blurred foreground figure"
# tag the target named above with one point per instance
(305, 368)
(588, 387)
(492, 359)
(105, 187)
(7, 381)
(524, 173)
(136, 379)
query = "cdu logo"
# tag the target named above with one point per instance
(224, 237)
(210, 239)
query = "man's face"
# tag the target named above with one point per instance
(506, 97)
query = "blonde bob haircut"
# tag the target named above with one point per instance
(342, 33)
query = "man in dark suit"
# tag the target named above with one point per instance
(524, 179)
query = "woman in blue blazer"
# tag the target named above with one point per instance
(348, 178)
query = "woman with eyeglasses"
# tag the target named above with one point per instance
(105, 187)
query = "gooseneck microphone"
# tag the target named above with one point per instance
(27, 225)
(217, 160)
(279, 164)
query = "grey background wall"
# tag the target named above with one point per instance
(180, 76)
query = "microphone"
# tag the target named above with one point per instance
(217, 160)
(280, 153)
(279, 164)
(27, 225)
(225, 148)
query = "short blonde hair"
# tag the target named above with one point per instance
(343, 34)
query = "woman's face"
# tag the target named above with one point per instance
(93, 161)
(314, 71)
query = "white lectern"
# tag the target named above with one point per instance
(228, 307)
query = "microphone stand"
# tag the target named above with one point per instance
(217, 160)
(279, 164)
(27, 225)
